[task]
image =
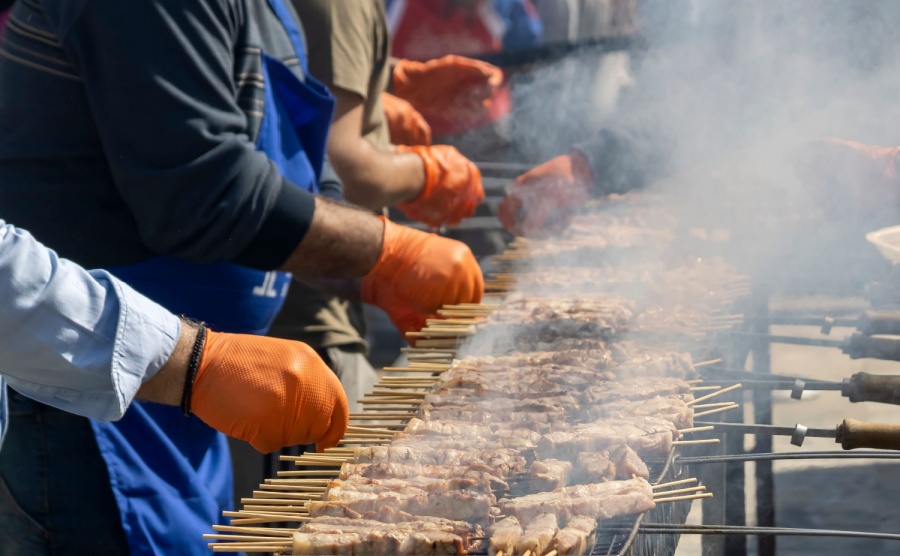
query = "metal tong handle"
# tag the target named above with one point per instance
(852, 434)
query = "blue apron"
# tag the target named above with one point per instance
(172, 475)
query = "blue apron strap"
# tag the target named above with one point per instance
(290, 25)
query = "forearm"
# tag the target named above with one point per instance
(375, 179)
(342, 242)
(167, 386)
(80, 341)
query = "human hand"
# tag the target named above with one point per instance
(424, 271)
(453, 85)
(406, 124)
(543, 200)
(452, 188)
(269, 392)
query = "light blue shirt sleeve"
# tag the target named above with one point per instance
(78, 340)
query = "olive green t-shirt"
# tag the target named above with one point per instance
(349, 49)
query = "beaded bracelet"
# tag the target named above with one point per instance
(193, 365)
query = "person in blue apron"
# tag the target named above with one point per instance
(193, 145)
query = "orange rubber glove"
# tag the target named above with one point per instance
(849, 179)
(452, 188)
(272, 393)
(453, 85)
(421, 271)
(406, 125)
(543, 200)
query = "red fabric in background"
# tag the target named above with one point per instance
(429, 29)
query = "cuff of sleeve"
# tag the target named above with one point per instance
(287, 224)
(145, 339)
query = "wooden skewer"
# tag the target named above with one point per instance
(305, 473)
(551, 553)
(675, 483)
(704, 388)
(666, 493)
(499, 553)
(231, 547)
(300, 492)
(711, 405)
(686, 497)
(717, 393)
(288, 490)
(705, 363)
(240, 514)
(370, 430)
(279, 501)
(214, 537)
(366, 442)
(273, 531)
(701, 441)
(719, 410)
(527, 553)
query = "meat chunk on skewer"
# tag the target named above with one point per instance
(479, 472)
(600, 501)
(549, 475)
(538, 534)
(419, 543)
(577, 537)
(456, 504)
(413, 485)
(503, 460)
(647, 436)
(505, 536)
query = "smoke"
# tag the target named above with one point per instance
(731, 93)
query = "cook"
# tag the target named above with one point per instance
(188, 164)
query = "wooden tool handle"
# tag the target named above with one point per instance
(860, 346)
(875, 322)
(853, 434)
(865, 387)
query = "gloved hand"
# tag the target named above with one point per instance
(421, 271)
(543, 200)
(849, 179)
(452, 187)
(406, 125)
(272, 393)
(452, 85)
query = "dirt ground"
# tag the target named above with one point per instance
(861, 495)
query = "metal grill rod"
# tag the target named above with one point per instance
(657, 528)
(772, 456)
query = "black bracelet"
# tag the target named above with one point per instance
(193, 365)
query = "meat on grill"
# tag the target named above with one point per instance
(649, 437)
(504, 536)
(412, 485)
(405, 543)
(599, 500)
(455, 504)
(538, 534)
(577, 537)
(502, 460)
(479, 472)
(549, 474)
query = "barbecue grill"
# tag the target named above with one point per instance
(725, 345)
